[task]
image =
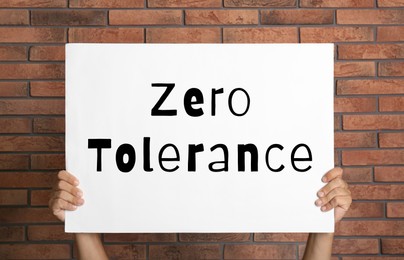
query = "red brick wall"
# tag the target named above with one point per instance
(369, 118)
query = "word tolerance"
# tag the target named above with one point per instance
(242, 149)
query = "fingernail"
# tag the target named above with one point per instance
(323, 208)
(320, 194)
(318, 202)
(80, 201)
(76, 182)
(74, 207)
(80, 193)
(324, 179)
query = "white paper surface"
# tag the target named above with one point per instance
(109, 95)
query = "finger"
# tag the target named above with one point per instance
(332, 174)
(69, 198)
(60, 204)
(59, 213)
(334, 193)
(338, 182)
(68, 177)
(341, 201)
(65, 186)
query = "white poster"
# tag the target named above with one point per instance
(199, 137)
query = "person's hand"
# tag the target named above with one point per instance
(66, 195)
(335, 194)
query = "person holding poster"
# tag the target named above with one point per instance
(334, 195)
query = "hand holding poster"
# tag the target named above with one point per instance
(199, 138)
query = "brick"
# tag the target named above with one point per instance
(381, 16)
(390, 3)
(184, 3)
(302, 248)
(353, 139)
(32, 143)
(49, 125)
(221, 17)
(337, 122)
(379, 86)
(339, 3)
(32, 107)
(354, 69)
(336, 157)
(336, 34)
(391, 69)
(389, 174)
(47, 161)
(390, 33)
(354, 104)
(126, 251)
(352, 175)
(14, 162)
(142, 237)
(12, 233)
(280, 237)
(14, 17)
(391, 140)
(214, 237)
(145, 17)
(31, 34)
(27, 179)
(377, 192)
(13, 197)
(260, 35)
(369, 157)
(106, 35)
(371, 51)
(13, 89)
(106, 3)
(370, 228)
(48, 232)
(395, 210)
(40, 197)
(34, 251)
(297, 16)
(47, 88)
(47, 53)
(13, 53)
(355, 246)
(183, 35)
(365, 210)
(373, 122)
(15, 125)
(259, 251)
(392, 246)
(198, 251)
(260, 3)
(26, 215)
(33, 3)
(68, 17)
(388, 104)
(32, 71)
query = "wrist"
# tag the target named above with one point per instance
(323, 235)
(87, 236)
(322, 238)
(89, 246)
